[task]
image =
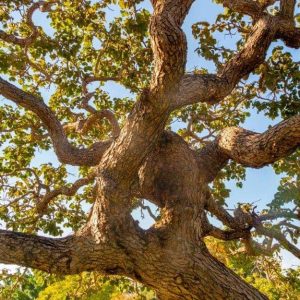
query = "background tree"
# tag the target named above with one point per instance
(124, 149)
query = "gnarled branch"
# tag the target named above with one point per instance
(289, 34)
(257, 150)
(249, 148)
(69, 255)
(168, 43)
(65, 152)
(214, 88)
(47, 254)
(287, 8)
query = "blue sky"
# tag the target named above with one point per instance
(261, 184)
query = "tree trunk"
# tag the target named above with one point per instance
(144, 161)
(198, 276)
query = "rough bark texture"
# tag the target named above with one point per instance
(148, 162)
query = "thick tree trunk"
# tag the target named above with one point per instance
(170, 257)
(145, 161)
(195, 276)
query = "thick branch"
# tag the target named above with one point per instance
(69, 255)
(249, 148)
(168, 43)
(253, 53)
(289, 33)
(227, 235)
(257, 150)
(47, 254)
(287, 8)
(213, 88)
(211, 159)
(247, 7)
(64, 150)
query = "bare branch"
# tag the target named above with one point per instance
(254, 248)
(273, 215)
(253, 53)
(10, 38)
(64, 150)
(223, 215)
(146, 207)
(64, 190)
(241, 225)
(276, 234)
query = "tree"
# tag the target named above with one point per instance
(88, 286)
(265, 273)
(125, 150)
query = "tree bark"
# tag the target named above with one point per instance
(143, 160)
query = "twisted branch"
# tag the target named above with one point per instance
(65, 152)
(10, 38)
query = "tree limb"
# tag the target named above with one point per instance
(249, 148)
(168, 43)
(227, 235)
(214, 88)
(287, 8)
(247, 7)
(64, 190)
(223, 215)
(289, 34)
(65, 152)
(10, 38)
(272, 233)
(47, 254)
(257, 150)
(147, 120)
(69, 255)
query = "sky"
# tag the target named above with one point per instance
(260, 185)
